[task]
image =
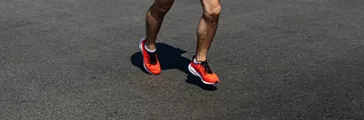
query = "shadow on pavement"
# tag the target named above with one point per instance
(171, 58)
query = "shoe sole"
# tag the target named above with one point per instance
(194, 72)
(141, 50)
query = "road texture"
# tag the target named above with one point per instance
(277, 60)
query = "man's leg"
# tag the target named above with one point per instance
(154, 18)
(205, 34)
(207, 27)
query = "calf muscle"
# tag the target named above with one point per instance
(154, 19)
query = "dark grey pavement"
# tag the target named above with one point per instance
(277, 60)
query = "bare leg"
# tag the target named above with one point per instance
(154, 19)
(207, 27)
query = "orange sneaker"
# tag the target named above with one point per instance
(150, 59)
(203, 71)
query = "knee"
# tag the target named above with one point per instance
(163, 6)
(212, 12)
(165, 9)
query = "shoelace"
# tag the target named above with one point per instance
(152, 58)
(206, 67)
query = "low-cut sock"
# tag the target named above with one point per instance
(146, 48)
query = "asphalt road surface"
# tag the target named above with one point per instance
(277, 60)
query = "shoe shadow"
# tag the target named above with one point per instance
(171, 58)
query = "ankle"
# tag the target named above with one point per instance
(200, 58)
(150, 46)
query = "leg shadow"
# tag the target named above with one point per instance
(171, 58)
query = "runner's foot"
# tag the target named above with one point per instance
(150, 59)
(203, 71)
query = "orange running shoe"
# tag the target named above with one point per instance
(150, 59)
(203, 71)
